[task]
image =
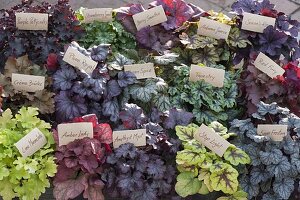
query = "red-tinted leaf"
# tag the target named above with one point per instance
(103, 133)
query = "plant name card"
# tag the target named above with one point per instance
(212, 28)
(150, 17)
(31, 143)
(97, 14)
(256, 23)
(275, 131)
(80, 61)
(72, 131)
(141, 71)
(208, 74)
(268, 66)
(32, 21)
(28, 83)
(136, 137)
(208, 137)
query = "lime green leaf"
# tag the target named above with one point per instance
(225, 180)
(236, 156)
(7, 189)
(187, 184)
(239, 195)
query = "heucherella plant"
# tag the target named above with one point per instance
(206, 102)
(24, 178)
(274, 170)
(202, 171)
(105, 33)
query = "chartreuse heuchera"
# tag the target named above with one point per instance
(25, 178)
(203, 171)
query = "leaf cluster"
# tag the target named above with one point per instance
(274, 169)
(203, 171)
(25, 178)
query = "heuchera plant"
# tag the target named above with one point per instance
(275, 165)
(147, 93)
(63, 27)
(159, 37)
(206, 102)
(207, 50)
(25, 178)
(105, 33)
(256, 86)
(144, 172)
(14, 99)
(80, 163)
(202, 171)
(274, 41)
(80, 93)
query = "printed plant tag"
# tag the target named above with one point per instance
(208, 137)
(31, 143)
(80, 61)
(268, 66)
(136, 137)
(275, 131)
(141, 70)
(72, 131)
(212, 28)
(97, 14)
(28, 83)
(149, 17)
(208, 74)
(32, 21)
(256, 23)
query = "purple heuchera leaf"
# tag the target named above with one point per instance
(126, 78)
(271, 41)
(241, 6)
(99, 53)
(63, 78)
(132, 116)
(124, 15)
(147, 36)
(69, 106)
(177, 117)
(113, 89)
(177, 11)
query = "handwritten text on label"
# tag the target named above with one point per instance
(149, 17)
(28, 83)
(80, 61)
(268, 66)
(31, 142)
(212, 28)
(97, 14)
(208, 137)
(69, 132)
(32, 21)
(208, 74)
(256, 23)
(136, 137)
(141, 71)
(275, 131)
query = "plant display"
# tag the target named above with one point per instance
(63, 27)
(274, 41)
(201, 170)
(14, 99)
(145, 172)
(274, 169)
(105, 33)
(160, 37)
(25, 178)
(80, 163)
(206, 102)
